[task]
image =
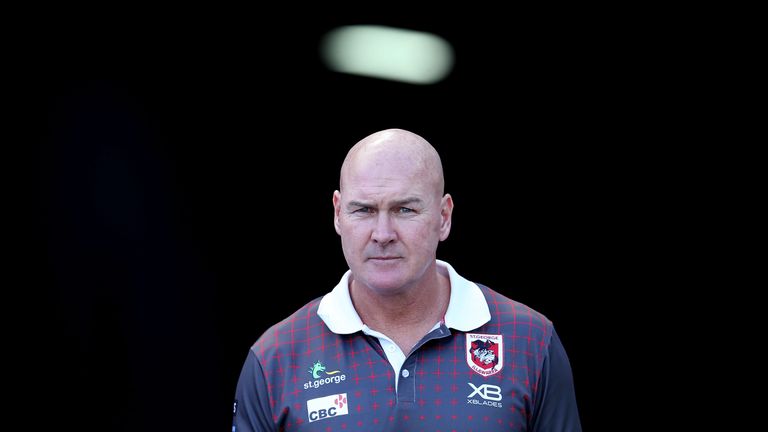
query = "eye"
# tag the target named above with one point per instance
(363, 210)
(404, 210)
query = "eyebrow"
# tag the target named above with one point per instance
(398, 203)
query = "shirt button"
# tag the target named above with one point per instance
(405, 373)
(391, 348)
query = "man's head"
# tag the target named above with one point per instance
(390, 210)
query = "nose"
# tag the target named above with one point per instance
(384, 231)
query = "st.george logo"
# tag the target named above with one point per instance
(322, 377)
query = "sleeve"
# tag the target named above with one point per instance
(555, 406)
(251, 411)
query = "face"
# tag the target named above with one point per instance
(391, 216)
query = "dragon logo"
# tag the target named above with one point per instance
(319, 367)
(484, 353)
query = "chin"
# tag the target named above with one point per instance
(384, 283)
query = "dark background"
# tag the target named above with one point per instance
(184, 167)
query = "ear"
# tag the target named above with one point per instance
(336, 211)
(446, 210)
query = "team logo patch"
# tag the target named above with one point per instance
(485, 353)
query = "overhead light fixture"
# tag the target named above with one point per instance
(388, 53)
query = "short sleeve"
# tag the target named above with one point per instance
(251, 411)
(555, 407)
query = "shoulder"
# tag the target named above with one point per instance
(284, 334)
(507, 312)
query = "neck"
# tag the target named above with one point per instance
(407, 316)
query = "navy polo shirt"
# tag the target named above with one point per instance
(491, 364)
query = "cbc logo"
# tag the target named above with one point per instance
(327, 407)
(321, 414)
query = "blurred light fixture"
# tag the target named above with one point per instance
(387, 53)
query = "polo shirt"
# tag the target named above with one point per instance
(491, 364)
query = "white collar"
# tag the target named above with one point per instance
(467, 307)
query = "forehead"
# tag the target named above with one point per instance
(387, 176)
(384, 169)
(387, 188)
(368, 187)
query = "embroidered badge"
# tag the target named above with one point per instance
(485, 353)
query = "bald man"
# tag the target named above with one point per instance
(403, 342)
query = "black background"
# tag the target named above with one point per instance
(184, 166)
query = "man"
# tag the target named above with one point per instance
(403, 342)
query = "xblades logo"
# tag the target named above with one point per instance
(490, 394)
